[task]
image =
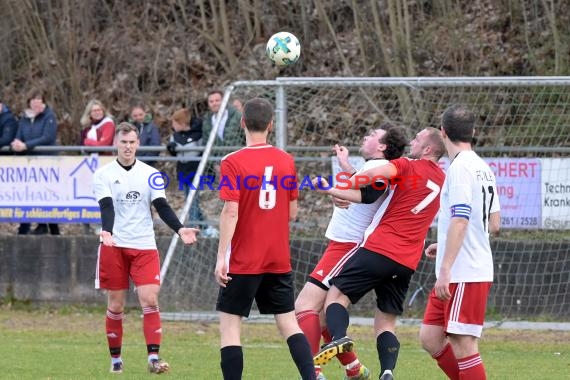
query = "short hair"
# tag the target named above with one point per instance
(396, 141)
(182, 116)
(435, 140)
(257, 114)
(458, 122)
(125, 127)
(140, 105)
(215, 91)
(36, 92)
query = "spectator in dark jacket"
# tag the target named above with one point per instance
(187, 133)
(8, 126)
(148, 131)
(37, 126)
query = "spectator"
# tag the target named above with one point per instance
(98, 126)
(238, 105)
(37, 126)
(8, 126)
(187, 133)
(229, 132)
(148, 131)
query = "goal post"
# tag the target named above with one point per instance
(522, 129)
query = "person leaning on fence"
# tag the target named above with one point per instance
(8, 127)
(125, 190)
(37, 126)
(148, 131)
(98, 126)
(469, 212)
(187, 133)
(229, 133)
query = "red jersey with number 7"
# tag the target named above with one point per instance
(400, 225)
(263, 180)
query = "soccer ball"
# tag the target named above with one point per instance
(283, 49)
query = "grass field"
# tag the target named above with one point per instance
(71, 344)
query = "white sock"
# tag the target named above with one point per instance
(353, 364)
(116, 360)
(152, 356)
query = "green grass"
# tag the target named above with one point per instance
(71, 344)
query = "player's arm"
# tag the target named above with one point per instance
(367, 194)
(379, 173)
(495, 223)
(228, 222)
(168, 216)
(342, 156)
(455, 236)
(107, 220)
(293, 209)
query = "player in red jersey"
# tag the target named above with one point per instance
(259, 188)
(345, 232)
(391, 250)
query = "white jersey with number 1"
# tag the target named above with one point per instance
(470, 192)
(348, 225)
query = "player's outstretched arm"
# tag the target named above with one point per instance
(188, 235)
(379, 173)
(228, 222)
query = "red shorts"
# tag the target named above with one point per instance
(464, 312)
(116, 264)
(332, 261)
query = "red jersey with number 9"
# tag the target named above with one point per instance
(263, 180)
(399, 228)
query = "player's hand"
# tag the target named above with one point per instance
(341, 153)
(221, 273)
(106, 238)
(188, 235)
(431, 251)
(442, 285)
(340, 203)
(320, 184)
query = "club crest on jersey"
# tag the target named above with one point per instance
(134, 195)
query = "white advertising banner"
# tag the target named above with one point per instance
(54, 189)
(556, 193)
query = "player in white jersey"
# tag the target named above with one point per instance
(469, 212)
(345, 232)
(125, 190)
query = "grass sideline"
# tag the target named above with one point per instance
(70, 344)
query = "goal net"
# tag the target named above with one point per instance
(523, 130)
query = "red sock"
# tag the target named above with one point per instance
(152, 329)
(471, 368)
(345, 358)
(311, 326)
(114, 329)
(447, 362)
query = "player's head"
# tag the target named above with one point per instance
(387, 141)
(126, 141)
(427, 144)
(215, 100)
(458, 124)
(395, 139)
(257, 115)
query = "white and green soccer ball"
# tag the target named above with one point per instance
(283, 49)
